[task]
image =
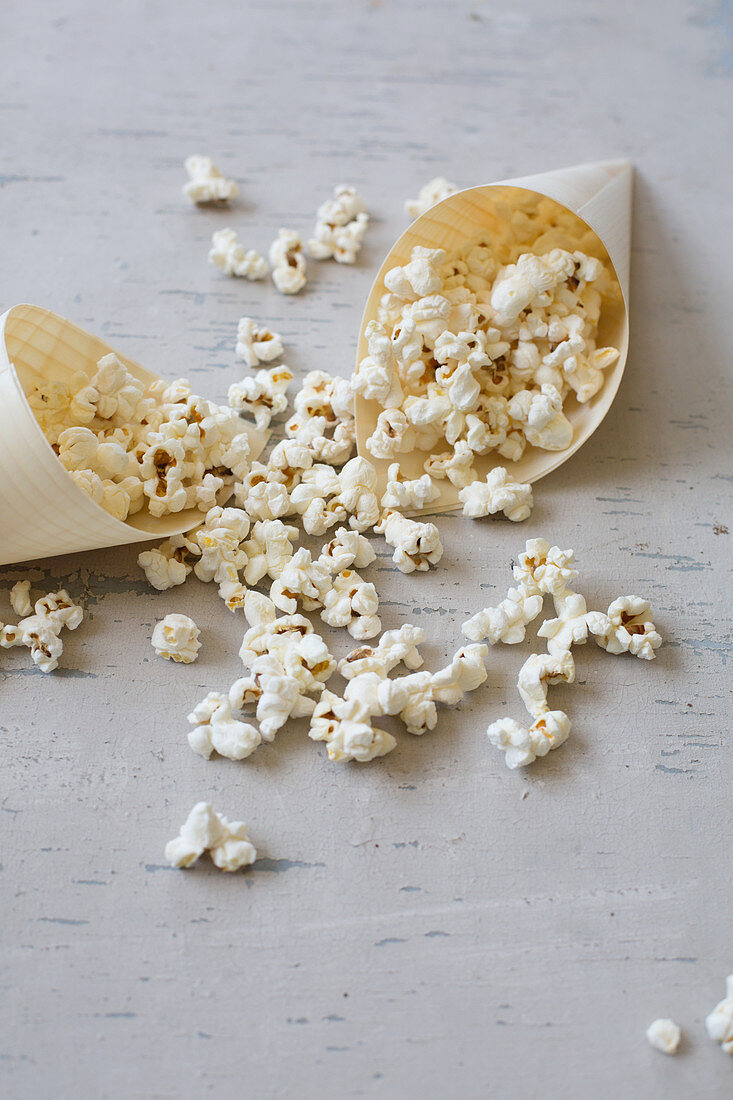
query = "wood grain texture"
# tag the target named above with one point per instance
(415, 927)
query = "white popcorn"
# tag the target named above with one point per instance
(353, 603)
(256, 344)
(429, 194)
(522, 746)
(664, 1035)
(416, 545)
(456, 465)
(266, 500)
(376, 378)
(341, 223)
(59, 610)
(307, 659)
(262, 395)
(206, 186)
(542, 419)
(420, 713)
(302, 579)
(345, 549)
(176, 637)
(165, 565)
(465, 673)
(719, 1024)
(276, 693)
(20, 600)
(272, 637)
(206, 830)
(268, 550)
(357, 482)
(392, 435)
(347, 730)
(529, 281)
(418, 280)
(394, 646)
(507, 621)
(542, 568)
(415, 494)
(626, 627)
(288, 262)
(537, 672)
(39, 632)
(571, 625)
(229, 256)
(215, 729)
(498, 493)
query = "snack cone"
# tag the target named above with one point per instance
(43, 513)
(599, 197)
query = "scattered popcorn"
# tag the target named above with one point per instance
(215, 729)
(508, 621)
(357, 482)
(176, 637)
(39, 632)
(571, 625)
(345, 549)
(664, 1035)
(429, 194)
(165, 565)
(206, 186)
(341, 223)
(277, 694)
(542, 568)
(20, 599)
(394, 647)
(348, 733)
(626, 627)
(719, 1024)
(256, 344)
(456, 465)
(302, 579)
(229, 256)
(376, 378)
(207, 831)
(401, 494)
(498, 493)
(416, 545)
(465, 673)
(523, 746)
(263, 396)
(392, 435)
(419, 713)
(268, 550)
(537, 672)
(288, 262)
(353, 603)
(324, 418)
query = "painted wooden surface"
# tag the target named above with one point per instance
(429, 925)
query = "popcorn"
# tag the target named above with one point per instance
(664, 1035)
(268, 550)
(302, 579)
(20, 600)
(176, 637)
(273, 636)
(465, 673)
(353, 603)
(357, 482)
(206, 830)
(570, 627)
(542, 568)
(416, 494)
(376, 378)
(429, 194)
(267, 500)
(309, 499)
(542, 419)
(537, 672)
(419, 713)
(498, 493)
(416, 545)
(392, 435)
(719, 1024)
(418, 279)
(229, 256)
(256, 344)
(165, 565)
(508, 621)
(288, 262)
(276, 692)
(263, 396)
(456, 465)
(346, 730)
(394, 646)
(341, 223)
(345, 549)
(626, 627)
(522, 746)
(206, 186)
(215, 729)
(40, 631)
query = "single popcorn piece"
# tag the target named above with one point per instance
(429, 194)
(465, 673)
(664, 1035)
(498, 493)
(206, 186)
(229, 256)
(416, 545)
(522, 746)
(216, 729)
(263, 396)
(571, 625)
(420, 713)
(353, 603)
(508, 621)
(341, 223)
(288, 262)
(456, 465)
(302, 580)
(346, 728)
(402, 494)
(207, 831)
(268, 550)
(345, 549)
(276, 693)
(537, 672)
(719, 1024)
(377, 378)
(257, 344)
(176, 637)
(392, 435)
(626, 627)
(542, 568)
(20, 600)
(394, 647)
(357, 482)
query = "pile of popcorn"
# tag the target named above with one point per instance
(130, 446)
(476, 353)
(40, 624)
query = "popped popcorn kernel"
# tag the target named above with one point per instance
(664, 1035)
(207, 831)
(430, 193)
(206, 186)
(229, 256)
(176, 638)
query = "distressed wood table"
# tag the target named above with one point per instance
(429, 925)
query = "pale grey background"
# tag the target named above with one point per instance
(416, 927)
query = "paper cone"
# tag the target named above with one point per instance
(600, 196)
(43, 512)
